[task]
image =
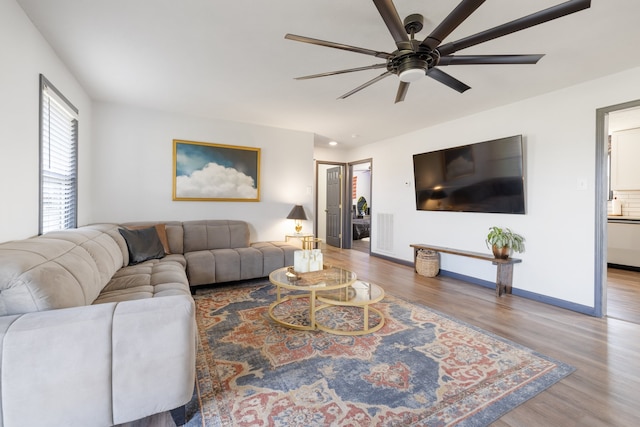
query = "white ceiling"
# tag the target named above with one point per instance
(228, 59)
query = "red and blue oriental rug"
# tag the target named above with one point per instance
(421, 368)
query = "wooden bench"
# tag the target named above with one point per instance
(505, 266)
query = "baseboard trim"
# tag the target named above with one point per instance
(396, 260)
(579, 308)
(568, 305)
(623, 267)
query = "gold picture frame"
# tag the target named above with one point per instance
(205, 171)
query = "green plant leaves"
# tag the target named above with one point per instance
(504, 237)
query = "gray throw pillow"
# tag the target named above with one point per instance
(143, 244)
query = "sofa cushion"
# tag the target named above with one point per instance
(42, 274)
(59, 361)
(215, 234)
(175, 237)
(149, 279)
(251, 263)
(143, 244)
(275, 255)
(99, 241)
(213, 266)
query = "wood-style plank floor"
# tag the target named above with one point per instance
(604, 389)
(623, 296)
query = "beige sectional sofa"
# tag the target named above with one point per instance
(88, 339)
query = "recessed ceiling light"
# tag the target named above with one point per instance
(333, 143)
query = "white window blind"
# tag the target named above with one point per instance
(58, 160)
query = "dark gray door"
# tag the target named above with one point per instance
(333, 206)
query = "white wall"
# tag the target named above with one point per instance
(331, 154)
(25, 55)
(133, 169)
(559, 133)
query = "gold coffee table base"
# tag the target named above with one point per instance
(358, 294)
(365, 317)
(279, 301)
(331, 287)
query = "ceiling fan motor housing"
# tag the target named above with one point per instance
(412, 65)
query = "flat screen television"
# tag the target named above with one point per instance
(483, 177)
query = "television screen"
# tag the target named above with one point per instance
(482, 177)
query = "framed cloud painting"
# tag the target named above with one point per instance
(215, 172)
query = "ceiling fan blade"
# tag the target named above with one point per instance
(536, 18)
(451, 22)
(402, 91)
(489, 59)
(355, 49)
(390, 16)
(350, 70)
(447, 80)
(367, 84)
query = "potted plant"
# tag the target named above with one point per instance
(502, 241)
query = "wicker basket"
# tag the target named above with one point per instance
(427, 263)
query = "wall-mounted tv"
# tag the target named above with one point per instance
(483, 177)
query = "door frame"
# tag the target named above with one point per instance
(342, 198)
(369, 202)
(602, 196)
(345, 214)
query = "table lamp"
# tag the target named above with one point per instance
(297, 214)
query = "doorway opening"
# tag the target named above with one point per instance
(614, 297)
(343, 203)
(360, 173)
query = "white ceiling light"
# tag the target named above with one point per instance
(412, 74)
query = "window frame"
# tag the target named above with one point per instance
(61, 107)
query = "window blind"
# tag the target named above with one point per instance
(58, 160)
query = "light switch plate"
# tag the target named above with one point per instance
(581, 184)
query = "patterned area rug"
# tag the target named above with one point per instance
(421, 368)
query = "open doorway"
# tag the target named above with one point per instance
(617, 280)
(361, 205)
(344, 210)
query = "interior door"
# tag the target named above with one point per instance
(333, 208)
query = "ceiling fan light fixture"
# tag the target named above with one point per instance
(412, 74)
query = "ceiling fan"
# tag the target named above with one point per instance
(414, 59)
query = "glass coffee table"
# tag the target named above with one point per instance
(322, 290)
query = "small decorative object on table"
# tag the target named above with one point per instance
(307, 260)
(291, 274)
(427, 263)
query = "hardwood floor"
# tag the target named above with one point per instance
(623, 295)
(603, 390)
(361, 245)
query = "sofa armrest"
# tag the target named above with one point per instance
(97, 365)
(154, 356)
